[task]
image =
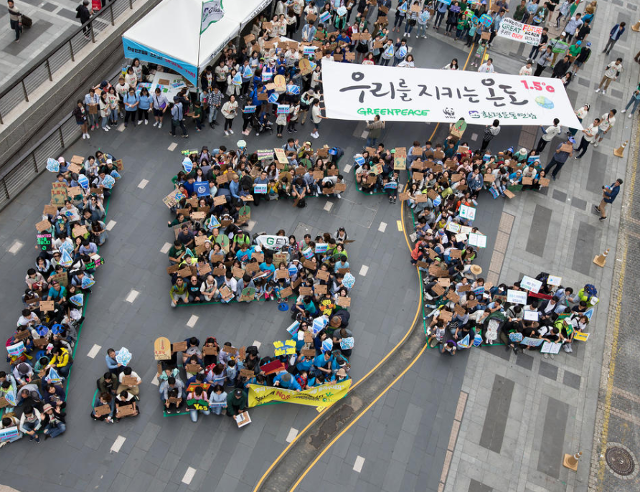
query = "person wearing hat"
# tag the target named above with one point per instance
(52, 421)
(582, 56)
(285, 380)
(237, 403)
(559, 158)
(590, 134)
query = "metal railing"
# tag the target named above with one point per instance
(43, 68)
(19, 174)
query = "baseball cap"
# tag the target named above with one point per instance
(588, 43)
(572, 140)
(238, 393)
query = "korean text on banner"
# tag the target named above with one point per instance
(319, 396)
(136, 50)
(359, 92)
(523, 33)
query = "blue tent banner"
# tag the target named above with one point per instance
(135, 50)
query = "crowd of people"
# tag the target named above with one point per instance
(40, 350)
(207, 378)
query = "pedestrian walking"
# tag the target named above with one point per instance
(613, 70)
(590, 134)
(15, 19)
(489, 133)
(635, 100)
(559, 158)
(580, 113)
(606, 123)
(616, 32)
(83, 13)
(609, 194)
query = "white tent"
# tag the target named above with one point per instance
(169, 35)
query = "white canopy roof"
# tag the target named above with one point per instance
(173, 29)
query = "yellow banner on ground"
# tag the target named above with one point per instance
(319, 396)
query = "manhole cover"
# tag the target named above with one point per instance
(620, 460)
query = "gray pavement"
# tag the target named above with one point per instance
(52, 21)
(419, 426)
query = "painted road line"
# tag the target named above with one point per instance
(250, 225)
(399, 223)
(110, 225)
(165, 249)
(121, 127)
(257, 343)
(188, 475)
(474, 136)
(172, 147)
(364, 270)
(132, 296)
(115, 447)
(327, 206)
(15, 247)
(357, 466)
(192, 321)
(143, 183)
(94, 351)
(292, 434)
(155, 381)
(382, 227)
(347, 168)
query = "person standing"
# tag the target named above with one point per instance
(489, 133)
(580, 113)
(589, 136)
(375, 130)
(549, 134)
(316, 117)
(559, 159)
(15, 19)
(635, 100)
(561, 68)
(543, 62)
(83, 13)
(229, 111)
(582, 57)
(616, 32)
(611, 73)
(609, 194)
(177, 118)
(574, 24)
(606, 123)
(487, 67)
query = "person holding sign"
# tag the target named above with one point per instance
(562, 153)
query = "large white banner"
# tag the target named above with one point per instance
(358, 92)
(523, 33)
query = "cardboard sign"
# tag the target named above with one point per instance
(306, 291)
(193, 368)
(343, 301)
(321, 289)
(79, 231)
(125, 411)
(162, 348)
(308, 352)
(130, 381)
(179, 347)
(246, 373)
(43, 225)
(62, 279)
(309, 264)
(206, 350)
(102, 410)
(286, 293)
(242, 419)
(282, 274)
(46, 306)
(50, 210)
